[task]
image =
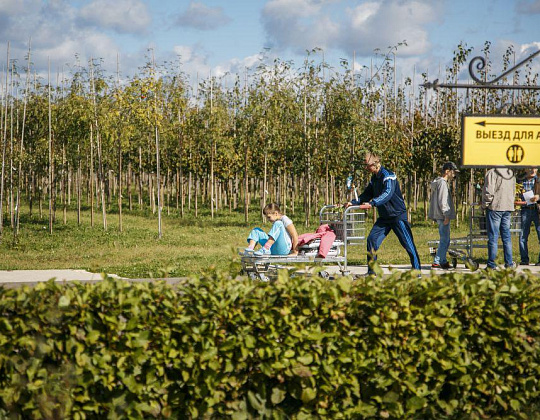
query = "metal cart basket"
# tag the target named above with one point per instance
(463, 248)
(349, 224)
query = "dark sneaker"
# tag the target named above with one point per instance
(537, 264)
(523, 263)
(443, 266)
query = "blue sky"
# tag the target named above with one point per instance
(221, 36)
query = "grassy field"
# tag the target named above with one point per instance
(189, 244)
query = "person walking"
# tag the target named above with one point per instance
(498, 197)
(384, 193)
(529, 213)
(442, 210)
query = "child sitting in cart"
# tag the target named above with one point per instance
(281, 240)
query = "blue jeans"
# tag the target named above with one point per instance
(282, 244)
(498, 222)
(529, 215)
(444, 242)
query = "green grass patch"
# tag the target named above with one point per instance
(189, 245)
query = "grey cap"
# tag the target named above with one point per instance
(451, 166)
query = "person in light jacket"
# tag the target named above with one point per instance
(498, 196)
(442, 210)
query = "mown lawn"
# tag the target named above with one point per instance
(189, 245)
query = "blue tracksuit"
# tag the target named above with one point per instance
(383, 192)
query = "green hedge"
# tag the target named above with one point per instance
(449, 346)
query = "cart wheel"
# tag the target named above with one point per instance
(471, 264)
(263, 277)
(324, 274)
(252, 275)
(454, 262)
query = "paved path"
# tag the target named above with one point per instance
(32, 277)
(19, 278)
(426, 269)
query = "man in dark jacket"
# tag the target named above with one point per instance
(383, 192)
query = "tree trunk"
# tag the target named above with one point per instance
(265, 184)
(158, 182)
(101, 178)
(212, 187)
(78, 188)
(151, 193)
(21, 153)
(50, 158)
(120, 226)
(11, 130)
(196, 195)
(91, 176)
(190, 189)
(64, 185)
(32, 192)
(128, 186)
(4, 143)
(141, 201)
(246, 184)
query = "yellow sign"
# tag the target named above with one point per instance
(495, 140)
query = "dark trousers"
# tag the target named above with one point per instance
(403, 231)
(529, 215)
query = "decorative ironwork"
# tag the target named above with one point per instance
(480, 64)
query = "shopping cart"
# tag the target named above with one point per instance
(463, 248)
(349, 225)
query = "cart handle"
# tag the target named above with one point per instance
(361, 206)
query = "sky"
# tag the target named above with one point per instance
(220, 37)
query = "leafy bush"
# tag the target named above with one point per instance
(449, 346)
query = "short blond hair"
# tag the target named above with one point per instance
(372, 158)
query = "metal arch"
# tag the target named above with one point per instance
(480, 63)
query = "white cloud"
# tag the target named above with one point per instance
(290, 9)
(195, 63)
(299, 24)
(529, 48)
(528, 7)
(202, 17)
(54, 33)
(521, 51)
(380, 25)
(124, 16)
(238, 66)
(306, 24)
(10, 7)
(193, 60)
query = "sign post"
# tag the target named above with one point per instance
(500, 140)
